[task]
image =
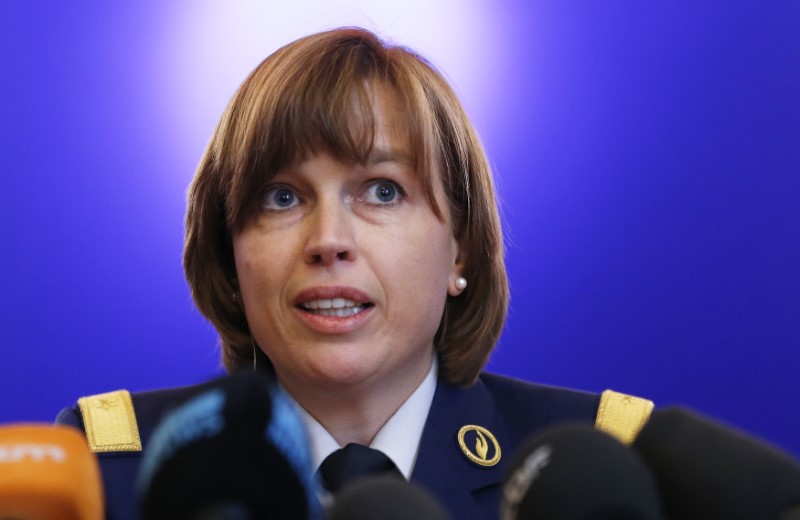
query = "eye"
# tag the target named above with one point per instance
(279, 198)
(382, 193)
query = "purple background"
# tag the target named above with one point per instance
(647, 154)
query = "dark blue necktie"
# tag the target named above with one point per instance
(352, 462)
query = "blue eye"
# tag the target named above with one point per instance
(382, 192)
(280, 198)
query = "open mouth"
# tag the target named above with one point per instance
(338, 307)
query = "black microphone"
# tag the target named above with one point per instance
(237, 451)
(574, 472)
(706, 470)
(385, 498)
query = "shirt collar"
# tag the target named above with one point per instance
(399, 438)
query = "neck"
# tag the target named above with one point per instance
(355, 414)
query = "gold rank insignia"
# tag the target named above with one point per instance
(110, 422)
(486, 451)
(622, 415)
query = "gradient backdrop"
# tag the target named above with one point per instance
(647, 155)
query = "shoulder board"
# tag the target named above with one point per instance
(622, 415)
(110, 422)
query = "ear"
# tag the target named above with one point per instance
(456, 283)
(236, 293)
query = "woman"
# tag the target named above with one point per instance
(342, 233)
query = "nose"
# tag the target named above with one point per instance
(330, 237)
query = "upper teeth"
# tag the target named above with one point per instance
(331, 303)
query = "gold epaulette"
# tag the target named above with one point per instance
(622, 415)
(110, 422)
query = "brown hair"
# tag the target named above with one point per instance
(313, 95)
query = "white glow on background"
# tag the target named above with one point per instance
(208, 48)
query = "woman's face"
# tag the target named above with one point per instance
(345, 271)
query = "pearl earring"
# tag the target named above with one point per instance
(461, 283)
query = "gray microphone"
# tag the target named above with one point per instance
(574, 472)
(707, 471)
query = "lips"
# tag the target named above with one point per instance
(334, 309)
(339, 302)
(339, 307)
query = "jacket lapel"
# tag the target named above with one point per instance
(469, 489)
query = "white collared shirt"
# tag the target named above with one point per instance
(399, 438)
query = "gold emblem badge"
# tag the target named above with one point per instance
(482, 438)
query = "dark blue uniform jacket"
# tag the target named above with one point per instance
(510, 409)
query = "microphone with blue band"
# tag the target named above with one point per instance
(237, 451)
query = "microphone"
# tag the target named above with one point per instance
(48, 473)
(385, 498)
(574, 472)
(706, 470)
(237, 451)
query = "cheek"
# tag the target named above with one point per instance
(420, 293)
(437, 249)
(422, 261)
(257, 267)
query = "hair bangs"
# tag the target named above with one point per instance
(322, 99)
(340, 123)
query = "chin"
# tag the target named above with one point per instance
(340, 363)
(343, 374)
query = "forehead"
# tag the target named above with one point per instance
(392, 127)
(378, 122)
(377, 128)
